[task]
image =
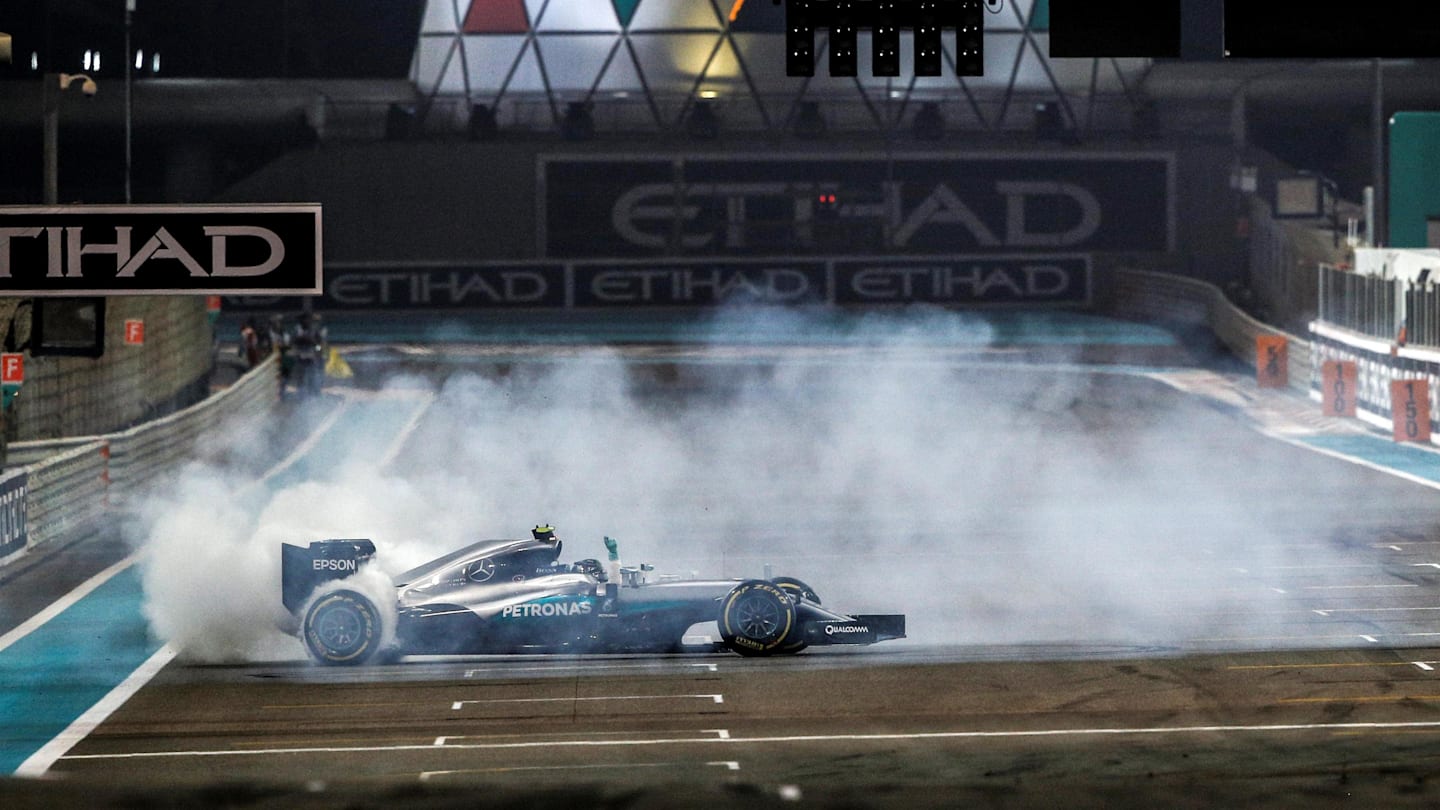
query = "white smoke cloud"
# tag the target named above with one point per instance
(881, 463)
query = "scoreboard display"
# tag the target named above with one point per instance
(1192, 30)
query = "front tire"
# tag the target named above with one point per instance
(797, 590)
(757, 618)
(342, 628)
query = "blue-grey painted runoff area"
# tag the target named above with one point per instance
(56, 673)
(1420, 461)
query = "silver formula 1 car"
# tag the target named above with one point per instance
(512, 596)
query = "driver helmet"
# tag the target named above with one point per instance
(544, 533)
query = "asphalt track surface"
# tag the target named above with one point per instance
(1312, 680)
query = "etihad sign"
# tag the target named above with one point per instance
(644, 206)
(139, 250)
(644, 215)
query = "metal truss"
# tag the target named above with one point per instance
(1092, 94)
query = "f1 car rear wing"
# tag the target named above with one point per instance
(304, 569)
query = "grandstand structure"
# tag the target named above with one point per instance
(648, 65)
(466, 135)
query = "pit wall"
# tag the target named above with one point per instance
(1185, 302)
(1378, 360)
(1382, 313)
(1377, 364)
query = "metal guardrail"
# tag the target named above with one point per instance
(67, 492)
(74, 483)
(26, 454)
(1360, 303)
(141, 455)
(1422, 319)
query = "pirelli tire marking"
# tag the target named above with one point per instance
(756, 618)
(342, 628)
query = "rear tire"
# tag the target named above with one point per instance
(342, 628)
(757, 618)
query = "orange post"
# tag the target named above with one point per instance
(1272, 361)
(1410, 410)
(1338, 387)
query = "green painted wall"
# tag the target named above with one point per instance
(1040, 16)
(1414, 176)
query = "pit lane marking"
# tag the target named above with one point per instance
(457, 705)
(1327, 567)
(1347, 664)
(1363, 699)
(1356, 587)
(1328, 611)
(799, 738)
(659, 668)
(425, 776)
(720, 734)
(1333, 636)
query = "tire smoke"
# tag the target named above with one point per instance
(891, 467)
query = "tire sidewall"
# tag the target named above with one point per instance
(358, 616)
(744, 593)
(797, 590)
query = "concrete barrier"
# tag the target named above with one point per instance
(1150, 296)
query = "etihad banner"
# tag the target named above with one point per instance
(1033, 280)
(699, 283)
(824, 205)
(96, 250)
(964, 280)
(447, 286)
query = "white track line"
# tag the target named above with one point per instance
(399, 443)
(425, 776)
(799, 738)
(41, 761)
(457, 705)
(1414, 479)
(304, 447)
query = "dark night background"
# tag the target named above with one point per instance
(221, 38)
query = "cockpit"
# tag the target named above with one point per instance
(482, 562)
